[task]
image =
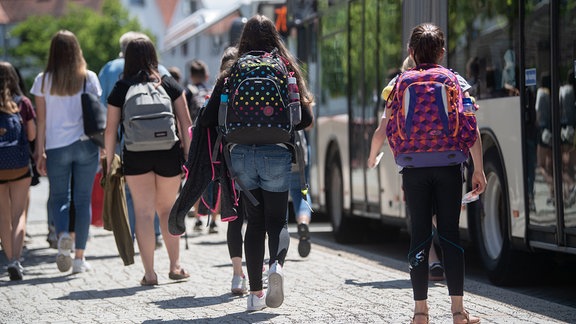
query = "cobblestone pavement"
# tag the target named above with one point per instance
(335, 284)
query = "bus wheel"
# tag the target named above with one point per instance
(491, 226)
(341, 222)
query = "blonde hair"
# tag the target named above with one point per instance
(127, 37)
(66, 65)
(8, 88)
(408, 63)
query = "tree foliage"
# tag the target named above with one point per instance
(97, 32)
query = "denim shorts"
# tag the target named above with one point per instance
(262, 166)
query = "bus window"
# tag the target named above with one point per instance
(334, 65)
(566, 65)
(481, 46)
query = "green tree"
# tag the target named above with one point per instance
(97, 32)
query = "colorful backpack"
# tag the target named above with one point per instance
(260, 104)
(148, 120)
(254, 106)
(428, 126)
(14, 148)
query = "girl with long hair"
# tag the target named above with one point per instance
(63, 152)
(269, 186)
(14, 181)
(152, 176)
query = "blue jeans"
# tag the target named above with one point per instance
(300, 206)
(264, 170)
(77, 161)
(262, 166)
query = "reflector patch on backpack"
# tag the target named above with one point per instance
(256, 111)
(428, 126)
(148, 119)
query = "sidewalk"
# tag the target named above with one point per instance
(335, 284)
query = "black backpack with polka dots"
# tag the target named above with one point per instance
(255, 103)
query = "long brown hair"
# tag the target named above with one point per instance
(260, 34)
(141, 61)
(66, 65)
(426, 43)
(8, 88)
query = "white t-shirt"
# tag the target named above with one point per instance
(64, 124)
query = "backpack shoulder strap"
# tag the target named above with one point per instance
(234, 177)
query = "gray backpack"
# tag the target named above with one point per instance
(148, 119)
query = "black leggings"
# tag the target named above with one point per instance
(268, 217)
(426, 188)
(234, 233)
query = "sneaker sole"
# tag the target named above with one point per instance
(303, 231)
(275, 296)
(14, 274)
(64, 262)
(304, 247)
(65, 246)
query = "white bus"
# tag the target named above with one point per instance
(508, 50)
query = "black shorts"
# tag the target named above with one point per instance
(167, 163)
(28, 174)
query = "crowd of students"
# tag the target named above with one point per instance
(70, 160)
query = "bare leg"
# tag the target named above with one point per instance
(143, 189)
(459, 314)
(237, 266)
(420, 312)
(166, 193)
(14, 196)
(6, 221)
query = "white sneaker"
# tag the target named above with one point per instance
(63, 259)
(275, 293)
(80, 265)
(255, 303)
(238, 285)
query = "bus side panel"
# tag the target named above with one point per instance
(332, 133)
(502, 116)
(391, 194)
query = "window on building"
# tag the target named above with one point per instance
(190, 6)
(184, 49)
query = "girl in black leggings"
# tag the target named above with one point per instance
(423, 187)
(433, 188)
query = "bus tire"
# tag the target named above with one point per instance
(341, 221)
(491, 226)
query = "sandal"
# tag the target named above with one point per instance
(466, 316)
(182, 274)
(420, 314)
(145, 282)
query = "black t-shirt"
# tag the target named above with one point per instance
(118, 94)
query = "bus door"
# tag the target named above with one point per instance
(550, 35)
(363, 89)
